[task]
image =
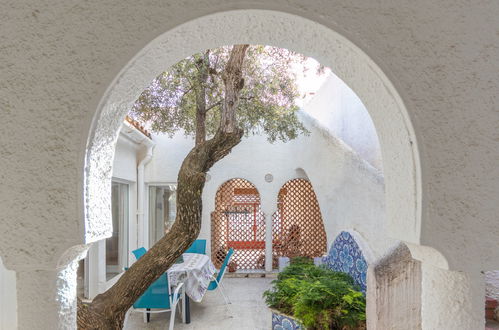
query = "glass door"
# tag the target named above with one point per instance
(162, 210)
(117, 244)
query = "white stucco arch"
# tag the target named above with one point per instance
(220, 184)
(398, 141)
(58, 59)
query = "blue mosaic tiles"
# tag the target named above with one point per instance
(284, 322)
(346, 256)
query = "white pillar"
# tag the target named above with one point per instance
(96, 269)
(47, 298)
(452, 300)
(268, 211)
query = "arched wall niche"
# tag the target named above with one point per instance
(238, 222)
(297, 224)
(398, 142)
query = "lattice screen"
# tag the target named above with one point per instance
(238, 223)
(298, 229)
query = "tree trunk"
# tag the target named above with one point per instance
(107, 310)
(200, 127)
(234, 82)
(203, 67)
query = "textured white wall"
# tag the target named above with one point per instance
(446, 297)
(124, 171)
(435, 59)
(125, 163)
(338, 109)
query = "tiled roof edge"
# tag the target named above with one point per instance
(138, 126)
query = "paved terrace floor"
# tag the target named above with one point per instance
(247, 311)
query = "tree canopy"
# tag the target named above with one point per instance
(194, 87)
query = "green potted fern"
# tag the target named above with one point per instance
(305, 296)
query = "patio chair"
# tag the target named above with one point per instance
(217, 281)
(139, 252)
(157, 296)
(199, 246)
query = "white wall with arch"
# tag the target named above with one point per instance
(403, 204)
(347, 61)
(349, 190)
(398, 214)
(437, 54)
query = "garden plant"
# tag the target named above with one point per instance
(317, 297)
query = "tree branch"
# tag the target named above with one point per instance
(213, 105)
(234, 82)
(186, 92)
(203, 65)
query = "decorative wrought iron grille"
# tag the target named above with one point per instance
(238, 223)
(297, 226)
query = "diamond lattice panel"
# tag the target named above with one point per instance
(297, 226)
(238, 223)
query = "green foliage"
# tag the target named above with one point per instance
(318, 297)
(267, 100)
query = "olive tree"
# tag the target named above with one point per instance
(216, 96)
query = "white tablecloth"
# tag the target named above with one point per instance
(196, 272)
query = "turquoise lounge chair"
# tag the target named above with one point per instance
(217, 281)
(199, 246)
(157, 296)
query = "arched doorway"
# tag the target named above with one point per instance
(400, 160)
(297, 225)
(238, 223)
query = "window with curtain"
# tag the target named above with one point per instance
(162, 210)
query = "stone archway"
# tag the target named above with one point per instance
(397, 139)
(97, 46)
